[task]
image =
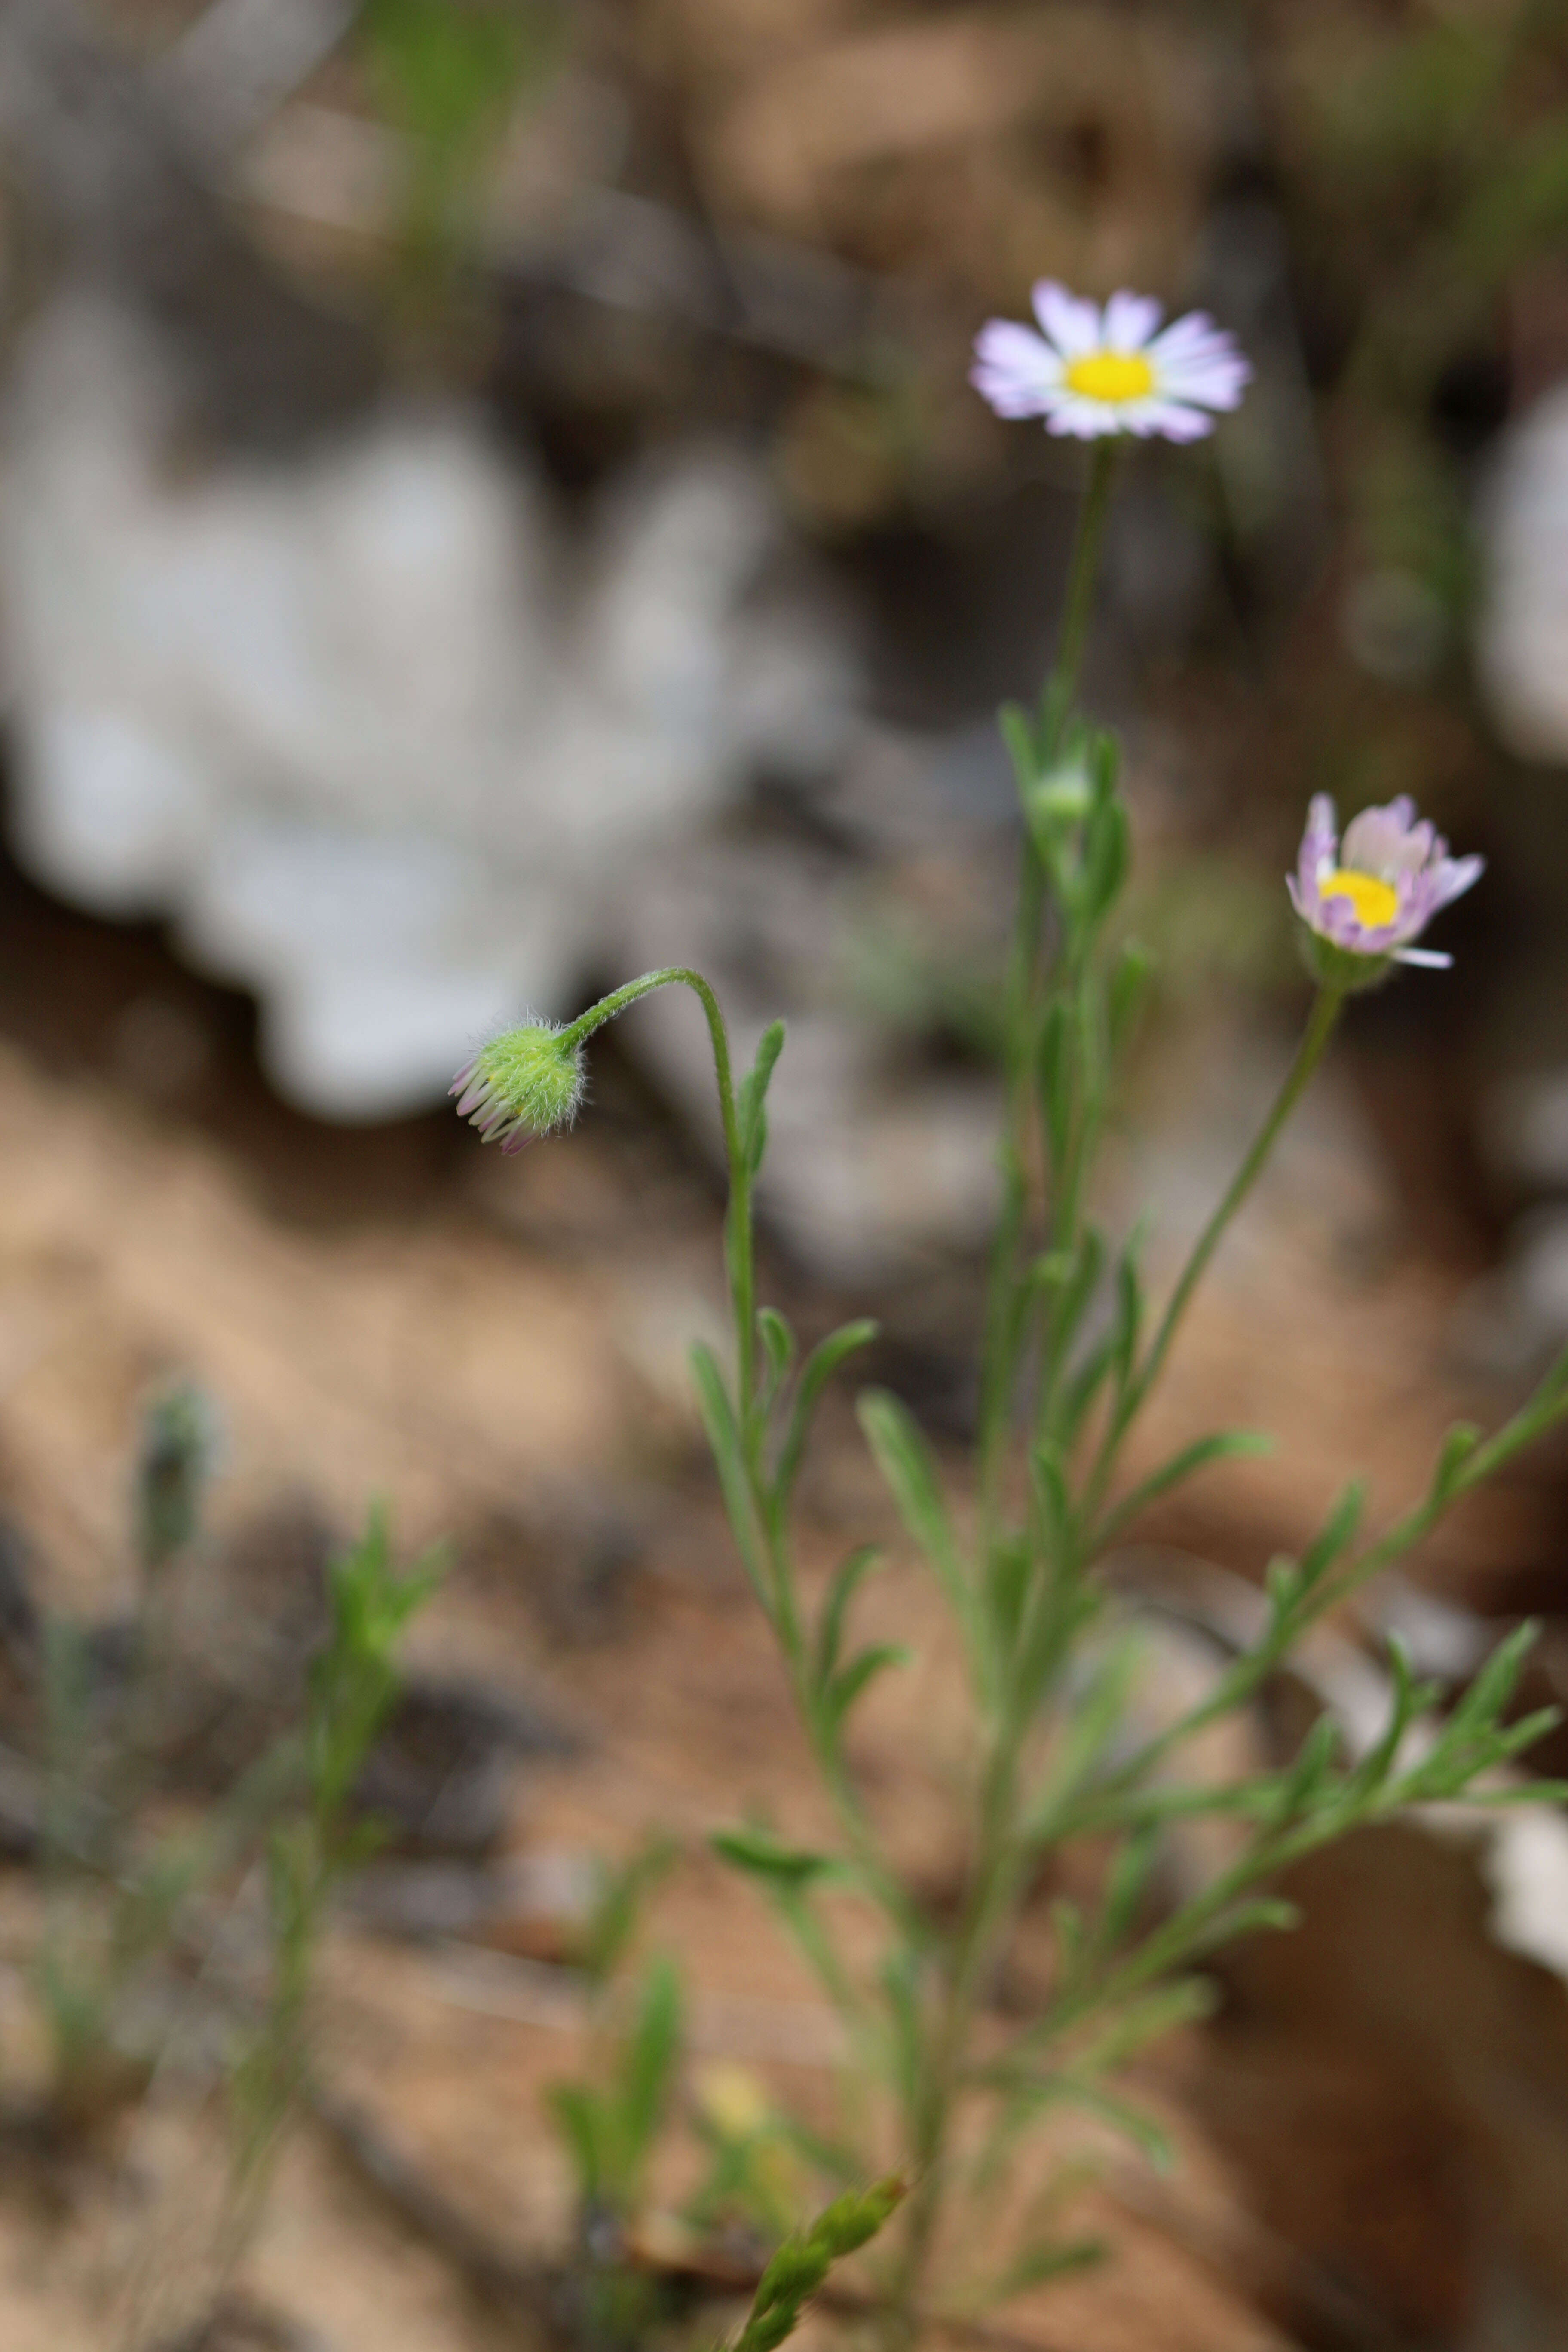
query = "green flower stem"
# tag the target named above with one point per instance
(1067, 1220)
(1006, 1314)
(1083, 573)
(1320, 1023)
(578, 1032)
(739, 1256)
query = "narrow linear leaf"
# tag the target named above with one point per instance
(1051, 1488)
(754, 1090)
(1303, 1782)
(862, 1670)
(652, 2055)
(1266, 1914)
(1151, 2138)
(1188, 2002)
(816, 1371)
(1459, 1443)
(1018, 734)
(905, 1461)
(1225, 1445)
(1125, 1886)
(1129, 1316)
(846, 1581)
(764, 1856)
(778, 1340)
(1493, 1687)
(725, 1440)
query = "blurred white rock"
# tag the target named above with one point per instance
(384, 743)
(1524, 629)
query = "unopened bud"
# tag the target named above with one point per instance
(796, 2271)
(1057, 803)
(525, 1083)
(854, 2219)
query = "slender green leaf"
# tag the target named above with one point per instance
(724, 1439)
(1149, 2137)
(850, 1681)
(1125, 1888)
(816, 1371)
(578, 2114)
(1018, 734)
(1008, 1575)
(1128, 1315)
(1302, 1784)
(651, 2057)
(754, 1095)
(762, 1855)
(1458, 1445)
(1107, 856)
(1056, 1502)
(846, 1581)
(1188, 2002)
(1225, 1445)
(904, 1459)
(778, 1339)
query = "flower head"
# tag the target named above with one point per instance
(525, 1083)
(1091, 372)
(1366, 900)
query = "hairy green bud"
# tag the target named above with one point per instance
(525, 1083)
(853, 2219)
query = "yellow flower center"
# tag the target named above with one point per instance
(1376, 901)
(1111, 375)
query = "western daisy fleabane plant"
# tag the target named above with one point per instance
(1090, 372)
(1013, 1537)
(1371, 896)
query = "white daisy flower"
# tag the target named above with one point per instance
(1091, 372)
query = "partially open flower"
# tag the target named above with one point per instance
(1366, 900)
(1091, 372)
(523, 1084)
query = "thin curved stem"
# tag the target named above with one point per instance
(670, 975)
(739, 1257)
(1326, 1008)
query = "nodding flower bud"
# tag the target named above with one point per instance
(525, 1083)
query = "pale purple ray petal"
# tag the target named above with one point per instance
(1320, 843)
(1388, 841)
(1130, 321)
(1072, 324)
(1186, 342)
(1454, 877)
(1015, 369)
(1084, 420)
(1176, 421)
(1216, 385)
